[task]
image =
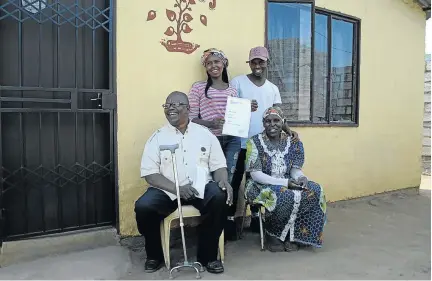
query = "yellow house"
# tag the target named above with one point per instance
(373, 145)
(82, 84)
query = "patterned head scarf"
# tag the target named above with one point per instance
(214, 52)
(274, 110)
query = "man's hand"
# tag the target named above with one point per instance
(254, 105)
(294, 136)
(217, 123)
(303, 181)
(224, 185)
(187, 192)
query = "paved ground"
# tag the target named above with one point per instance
(380, 237)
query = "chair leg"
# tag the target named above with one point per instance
(167, 230)
(162, 235)
(261, 229)
(222, 247)
(243, 220)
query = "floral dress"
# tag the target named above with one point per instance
(298, 214)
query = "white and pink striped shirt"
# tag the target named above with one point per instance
(209, 108)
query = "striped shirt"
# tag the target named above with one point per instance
(209, 108)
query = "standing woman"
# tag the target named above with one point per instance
(208, 101)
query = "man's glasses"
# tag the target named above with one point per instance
(175, 105)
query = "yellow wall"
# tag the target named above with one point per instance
(382, 154)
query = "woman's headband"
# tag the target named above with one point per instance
(214, 52)
(273, 111)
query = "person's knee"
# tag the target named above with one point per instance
(218, 196)
(143, 206)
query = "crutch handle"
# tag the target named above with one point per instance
(170, 147)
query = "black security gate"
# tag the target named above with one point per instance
(56, 116)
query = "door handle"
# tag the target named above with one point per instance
(98, 99)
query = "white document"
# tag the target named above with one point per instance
(237, 117)
(200, 181)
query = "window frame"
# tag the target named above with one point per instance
(355, 63)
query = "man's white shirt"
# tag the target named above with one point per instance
(266, 95)
(198, 155)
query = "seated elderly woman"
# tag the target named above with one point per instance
(295, 207)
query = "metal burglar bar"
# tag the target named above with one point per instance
(56, 116)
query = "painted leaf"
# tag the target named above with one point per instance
(203, 20)
(169, 31)
(151, 15)
(192, 2)
(212, 5)
(171, 15)
(187, 17)
(186, 28)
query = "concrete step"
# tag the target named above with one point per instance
(30, 249)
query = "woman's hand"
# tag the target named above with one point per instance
(303, 181)
(293, 184)
(254, 105)
(224, 185)
(217, 123)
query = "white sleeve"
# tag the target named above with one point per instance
(236, 85)
(277, 98)
(262, 178)
(150, 160)
(295, 173)
(217, 157)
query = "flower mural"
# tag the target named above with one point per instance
(181, 20)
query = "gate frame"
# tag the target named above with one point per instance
(113, 133)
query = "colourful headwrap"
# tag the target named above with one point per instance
(214, 52)
(274, 110)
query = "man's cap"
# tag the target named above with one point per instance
(258, 53)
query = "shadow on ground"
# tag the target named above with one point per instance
(380, 237)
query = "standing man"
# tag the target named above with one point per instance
(200, 163)
(263, 94)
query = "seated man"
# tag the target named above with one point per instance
(200, 159)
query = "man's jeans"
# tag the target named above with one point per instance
(231, 147)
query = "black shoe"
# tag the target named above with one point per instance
(215, 267)
(152, 265)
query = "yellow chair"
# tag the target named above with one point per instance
(165, 231)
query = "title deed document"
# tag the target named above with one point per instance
(237, 117)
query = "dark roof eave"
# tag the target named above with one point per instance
(426, 6)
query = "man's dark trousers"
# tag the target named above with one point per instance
(155, 205)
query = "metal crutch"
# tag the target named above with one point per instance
(195, 265)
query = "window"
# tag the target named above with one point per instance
(313, 61)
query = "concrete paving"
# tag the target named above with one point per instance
(385, 236)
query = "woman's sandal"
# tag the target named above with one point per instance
(290, 247)
(274, 244)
